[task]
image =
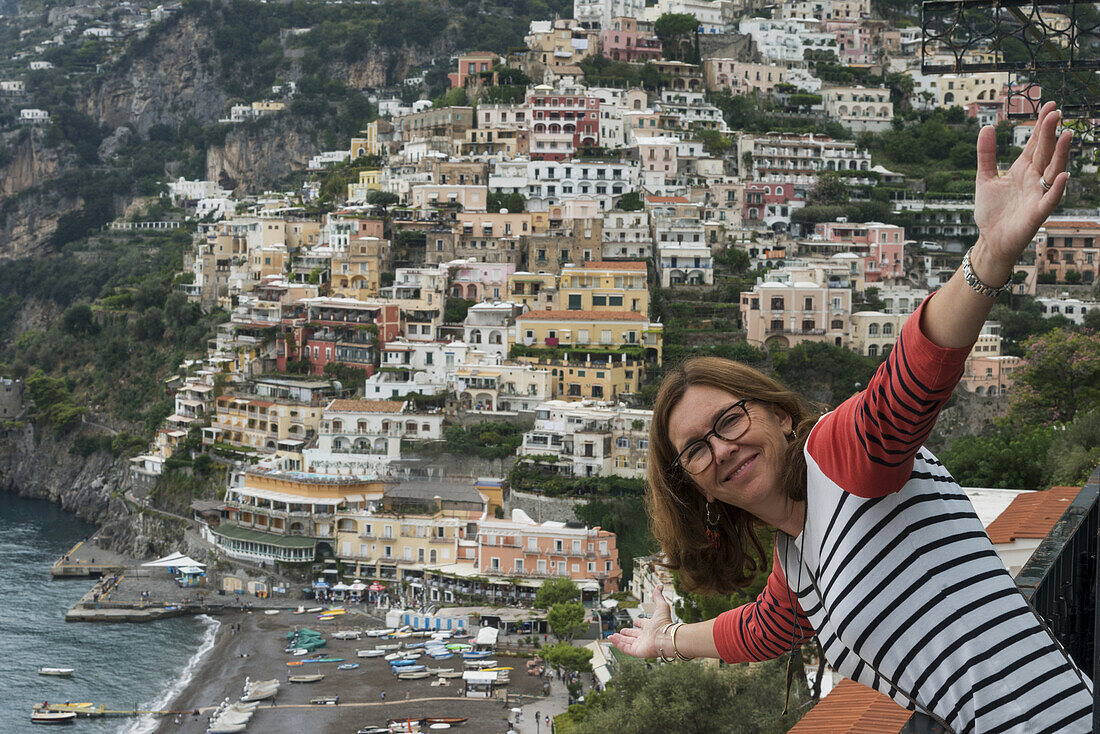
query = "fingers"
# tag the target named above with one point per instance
(1032, 144)
(1045, 131)
(1051, 198)
(1060, 158)
(659, 598)
(987, 154)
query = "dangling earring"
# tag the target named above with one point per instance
(793, 434)
(712, 529)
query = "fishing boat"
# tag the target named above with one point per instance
(415, 675)
(374, 730)
(458, 646)
(59, 672)
(314, 609)
(270, 612)
(346, 635)
(413, 645)
(388, 647)
(300, 610)
(324, 701)
(442, 654)
(478, 664)
(312, 678)
(409, 669)
(376, 653)
(330, 660)
(439, 670)
(347, 666)
(452, 720)
(39, 716)
(381, 632)
(452, 674)
(402, 663)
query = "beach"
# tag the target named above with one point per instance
(257, 652)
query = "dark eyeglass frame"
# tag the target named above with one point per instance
(741, 404)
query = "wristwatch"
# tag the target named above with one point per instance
(974, 282)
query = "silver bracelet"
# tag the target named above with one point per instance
(976, 284)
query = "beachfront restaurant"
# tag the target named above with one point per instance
(481, 683)
(256, 545)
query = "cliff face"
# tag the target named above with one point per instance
(30, 214)
(257, 155)
(39, 465)
(166, 85)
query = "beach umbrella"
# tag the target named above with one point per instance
(341, 587)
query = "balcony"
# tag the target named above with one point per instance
(1061, 578)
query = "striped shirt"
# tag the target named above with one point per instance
(897, 576)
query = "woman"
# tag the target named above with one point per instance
(878, 551)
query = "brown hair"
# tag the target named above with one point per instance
(677, 509)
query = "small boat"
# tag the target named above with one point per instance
(376, 653)
(59, 672)
(437, 727)
(347, 666)
(374, 730)
(270, 612)
(409, 669)
(402, 663)
(452, 720)
(439, 670)
(476, 654)
(299, 651)
(300, 610)
(381, 632)
(394, 656)
(416, 675)
(411, 654)
(52, 717)
(346, 635)
(324, 701)
(325, 618)
(388, 647)
(313, 678)
(452, 674)
(226, 728)
(442, 655)
(315, 609)
(478, 664)
(413, 645)
(293, 662)
(458, 646)
(329, 660)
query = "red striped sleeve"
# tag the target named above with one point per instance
(765, 628)
(867, 444)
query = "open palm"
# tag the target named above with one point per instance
(640, 641)
(1009, 208)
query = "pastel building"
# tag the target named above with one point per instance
(788, 314)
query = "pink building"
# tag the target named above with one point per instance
(1014, 99)
(521, 548)
(624, 42)
(767, 202)
(568, 116)
(481, 281)
(472, 64)
(884, 255)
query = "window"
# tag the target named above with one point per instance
(615, 301)
(575, 302)
(558, 545)
(576, 546)
(387, 551)
(494, 563)
(598, 300)
(519, 565)
(777, 303)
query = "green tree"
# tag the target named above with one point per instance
(1011, 456)
(631, 202)
(676, 31)
(78, 319)
(1059, 376)
(830, 190)
(567, 620)
(822, 371)
(565, 656)
(556, 590)
(692, 699)
(512, 202)
(382, 198)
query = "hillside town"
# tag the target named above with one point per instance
(548, 219)
(507, 254)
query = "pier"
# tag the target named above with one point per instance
(91, 711)
(79, 563)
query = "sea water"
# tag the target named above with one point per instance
(123, 666)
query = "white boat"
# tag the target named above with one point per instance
(395, 656)
(452, 674)
(439, 670)
(381, 632)
(346, 635)
(260, 694)
(416, 675)
(53, 717)
(226, 728)
(59, 672)
(312, 678)
(370, 653)
(270, 612)
(299, 651)
(388, 647)
(300, 610)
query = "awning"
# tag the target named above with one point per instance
(174, 559)
(297, 499)
(487, 636)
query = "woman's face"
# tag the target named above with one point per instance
(746, 472)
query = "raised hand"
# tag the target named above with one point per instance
(642, 641)
(1010, 207)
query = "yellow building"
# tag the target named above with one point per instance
(267, 106)
(536, 291)
(261, 425)
(266, 261)
(371, 143)
(604, 286)
(369, 180)
(389, 545)
(594, 331)
(357, 268)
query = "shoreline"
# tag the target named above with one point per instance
(221, 672)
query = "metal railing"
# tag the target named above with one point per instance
(1062, 577)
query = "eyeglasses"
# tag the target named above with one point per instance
(730, 425)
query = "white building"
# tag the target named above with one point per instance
(328, 158)
(859, 108)
(1072, 308)
(423, 367)
(709, 14)
(598, 13)
(627, 235)
(31, 116)
(188, 191)
(488, 324)
(359, 438)
(486, 383)
(589, 439)
(787, 40)
(550, 183)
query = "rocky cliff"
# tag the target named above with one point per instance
(257, 155)
(30, 210)
(35, 463)
(166, 85)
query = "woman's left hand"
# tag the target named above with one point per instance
(1009, 208)
(642, 641)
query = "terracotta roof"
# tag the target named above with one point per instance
(615, 265)
(1031, 515)
(853, 708)
(582, 316)
(667, 200)
(366, 406)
